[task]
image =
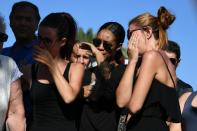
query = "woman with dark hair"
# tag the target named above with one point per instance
(100, 112)
(55, 82)
(149, 94)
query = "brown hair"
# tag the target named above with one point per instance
(158, 24)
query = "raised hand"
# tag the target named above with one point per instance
(133, 47)
(43, 56)
(99, 56)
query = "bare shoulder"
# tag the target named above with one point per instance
(183, 99)
(152, 55)
(76, 67)
(194, 102)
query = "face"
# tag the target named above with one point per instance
(107, 42)
(173, 58)
(73, 56)
(48, 40)
(83, 56)
(24, 23)
(142, 41)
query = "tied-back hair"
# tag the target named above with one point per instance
(158, 24)
(66, 27)
(116, 29)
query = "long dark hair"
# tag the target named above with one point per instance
(66, 27)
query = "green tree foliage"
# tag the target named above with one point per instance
(85, 36)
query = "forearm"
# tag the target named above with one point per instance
(175, 127)
(99, 57)
(16, 122)
(66, 91)
(125, 87)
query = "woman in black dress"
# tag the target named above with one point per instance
(150, 96)
(55, 82)
(100, 111)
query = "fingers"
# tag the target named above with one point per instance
(87, 90)
(133, 40)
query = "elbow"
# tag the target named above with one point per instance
(120, 103)
(69, 99)
(134, 107)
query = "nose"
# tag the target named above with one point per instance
(100, 47)
(81, 60)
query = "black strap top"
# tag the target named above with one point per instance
(162, 101)
(49, 109)
(190, 114)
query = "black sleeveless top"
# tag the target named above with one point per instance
(161, 105)
(190, 114)
(50, 112)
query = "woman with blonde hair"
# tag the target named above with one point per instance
(150, 93)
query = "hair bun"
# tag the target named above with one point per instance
(165, 17)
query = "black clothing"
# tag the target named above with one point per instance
(189, 114)
(161, 105)
(50, 112)
(183, 87)
(100, 112)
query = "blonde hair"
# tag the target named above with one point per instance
(158, 24)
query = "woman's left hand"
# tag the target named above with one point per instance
(43, 56)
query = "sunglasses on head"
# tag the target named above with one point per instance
(3, 37)
(130, 32)
(174, 61)
(107, 46)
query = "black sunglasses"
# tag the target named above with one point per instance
(107, 46)
(3, 37)
(130, 32)
(174, 61)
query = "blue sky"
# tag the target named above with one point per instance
(93, 13)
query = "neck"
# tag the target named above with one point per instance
(153, 44)
(23, 41)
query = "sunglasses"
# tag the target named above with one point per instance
(174, 61)
(130, 32)
(3, 37)
(107, 46)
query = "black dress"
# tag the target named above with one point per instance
(161, 105)
(50, 113)
(100, 112)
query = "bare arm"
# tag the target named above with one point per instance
(175, 127)
(148, 70)
(16, 116)
(124, 90)
(125, 87)
(68, 90)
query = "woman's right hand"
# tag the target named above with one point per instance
(132, 51)
(99, 56)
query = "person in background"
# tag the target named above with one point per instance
(173, 51)
(100, 112)
(149, 93)
(55, 82)
(24, 20)
(11, 104)
(187, 98)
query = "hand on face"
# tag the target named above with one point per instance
(133, 52)
(43, 56)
